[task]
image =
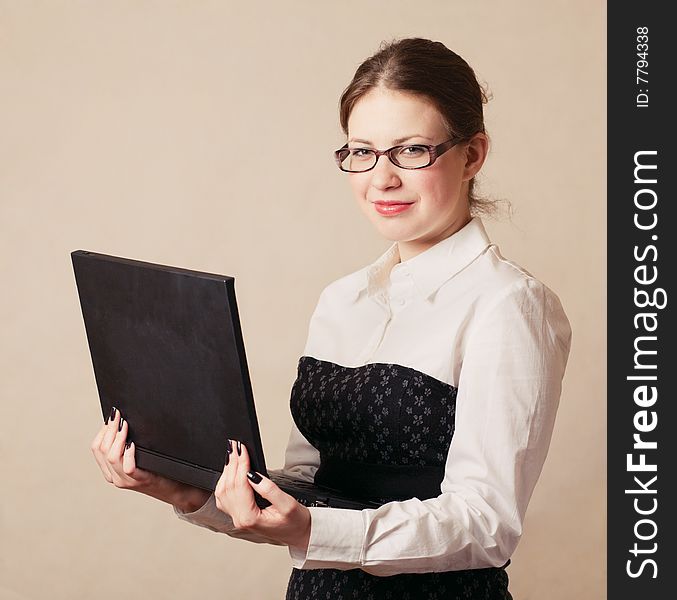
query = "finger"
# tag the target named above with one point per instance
(118, 446)
(114, 456)
(129, 459)
(243, 491)
(243, 465)
(241, 501)
(95, 446)
(222, 483)
(220, 493)
(99, 436)
(270, 491)
(98, 455)
(111, 431)
(227, 477)
(230, 470)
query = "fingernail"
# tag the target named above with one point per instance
(112, 413)
(227, 458)
(122, 420)
(127, 445)
(239, 448)
(229, 446)
(254, 477)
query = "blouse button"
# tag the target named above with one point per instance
(401, 301)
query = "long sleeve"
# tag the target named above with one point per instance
(508, 393)
(210, 517)
(301, 458)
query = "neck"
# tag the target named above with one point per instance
(409, 249)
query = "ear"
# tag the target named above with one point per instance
(476, 151)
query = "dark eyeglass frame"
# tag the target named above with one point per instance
(434, 151)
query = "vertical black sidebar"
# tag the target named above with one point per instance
(642, 428)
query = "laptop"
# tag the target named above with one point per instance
(167, 350)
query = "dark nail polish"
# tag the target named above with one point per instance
(127, 445)
(112, 413)
(229, 446)
(122, 420)
(254, 476)
(239, 448)
(227, 458)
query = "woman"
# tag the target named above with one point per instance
(430, 377)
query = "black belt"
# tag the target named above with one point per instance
(384, 482)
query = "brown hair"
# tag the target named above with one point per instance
(430, 69)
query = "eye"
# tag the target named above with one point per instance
(360, 153)
(412, 151)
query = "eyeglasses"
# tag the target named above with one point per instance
(411, 156)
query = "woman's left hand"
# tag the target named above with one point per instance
(285, 520)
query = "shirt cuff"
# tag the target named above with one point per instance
(336, 538)
(208, 515)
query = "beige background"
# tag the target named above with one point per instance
(158, 131)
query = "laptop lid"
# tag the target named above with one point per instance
(167, 350)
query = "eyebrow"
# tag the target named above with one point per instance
(397, 141)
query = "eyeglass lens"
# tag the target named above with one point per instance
(363, 159)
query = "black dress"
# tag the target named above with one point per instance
(382, 430)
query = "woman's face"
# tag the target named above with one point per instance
(436, 195)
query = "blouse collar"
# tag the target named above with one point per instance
(429, 269)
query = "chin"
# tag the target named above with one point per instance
(396, 232)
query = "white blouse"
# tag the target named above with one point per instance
(465, 315)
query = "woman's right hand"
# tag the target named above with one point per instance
(116, 458)
(117, 463)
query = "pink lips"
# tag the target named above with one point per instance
(391, 208)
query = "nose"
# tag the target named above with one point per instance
(385, 174)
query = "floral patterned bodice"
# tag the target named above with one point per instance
(386, 421)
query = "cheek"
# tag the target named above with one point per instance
(435, 188)
(426, 185)
(359, 184)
